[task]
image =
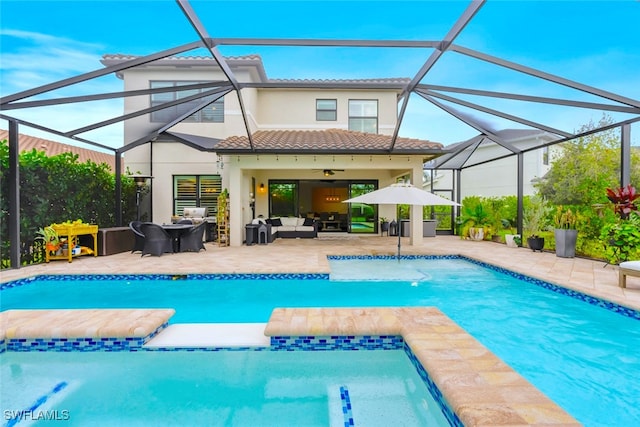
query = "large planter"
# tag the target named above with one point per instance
(384, 227)
(510, 240)
(535, 243)
(566, 242)
(476, 233)
(429, 227)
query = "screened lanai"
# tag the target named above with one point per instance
(427, 68)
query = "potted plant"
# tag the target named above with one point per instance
(533, 222)
(517, 240)
(384, 225)
(622, 238)
(50, 238)
(473, 221)
(565, 233)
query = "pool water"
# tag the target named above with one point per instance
(238, 388)
(582, 356)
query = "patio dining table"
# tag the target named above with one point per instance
(175, 231)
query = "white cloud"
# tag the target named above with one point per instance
(30, 60)
(24, 50)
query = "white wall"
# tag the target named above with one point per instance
(498, 178)
(171, 159)
(296, 109)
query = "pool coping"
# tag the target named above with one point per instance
(479, 387)
(471, 384)
(80, 329)
(582, 295)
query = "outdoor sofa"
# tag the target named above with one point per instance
(288, 227)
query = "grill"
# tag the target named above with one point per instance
(197, 216)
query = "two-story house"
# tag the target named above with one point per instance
(280, 147)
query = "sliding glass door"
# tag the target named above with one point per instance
(363, 218)
(283, 198)
(323, 201)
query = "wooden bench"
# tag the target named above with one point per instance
(628, 268)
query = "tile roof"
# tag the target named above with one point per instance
(330, 140)
(52, 148)
(186, 58)
(400, 80)
(124, 57)
(250, 59)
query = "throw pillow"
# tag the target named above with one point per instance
(276, 222)
(308, 222)
(288, 221)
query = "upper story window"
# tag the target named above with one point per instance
(363, 115)
(326, 109)
(212, 113)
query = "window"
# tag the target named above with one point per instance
(196, 191)
(545, 156)
(363, 115)
(283, 198)
(212, 113)
(326, 109)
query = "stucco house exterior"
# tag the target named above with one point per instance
(488, 169)
(317, 144)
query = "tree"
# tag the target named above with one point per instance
(585, 167)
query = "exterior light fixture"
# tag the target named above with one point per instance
(141, 182)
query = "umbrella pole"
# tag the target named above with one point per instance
(398, 243)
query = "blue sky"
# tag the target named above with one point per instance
(592, 42)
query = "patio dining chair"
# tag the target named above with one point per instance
(192, 240)
(156, 240)
(138, 244)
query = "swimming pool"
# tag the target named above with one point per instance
(581, 355)
(220, 388)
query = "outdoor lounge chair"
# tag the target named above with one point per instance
(628, 268)
(138, 244)
(192, 239)
(156, 240)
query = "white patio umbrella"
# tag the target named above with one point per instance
(401, 194)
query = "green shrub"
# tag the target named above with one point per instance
(56, 189)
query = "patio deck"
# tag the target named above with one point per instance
(309, 256)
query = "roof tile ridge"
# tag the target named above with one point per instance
(251, 56)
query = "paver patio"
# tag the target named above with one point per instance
(309, 256)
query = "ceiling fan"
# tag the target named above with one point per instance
(329, 172)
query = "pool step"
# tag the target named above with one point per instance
(211, 335)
